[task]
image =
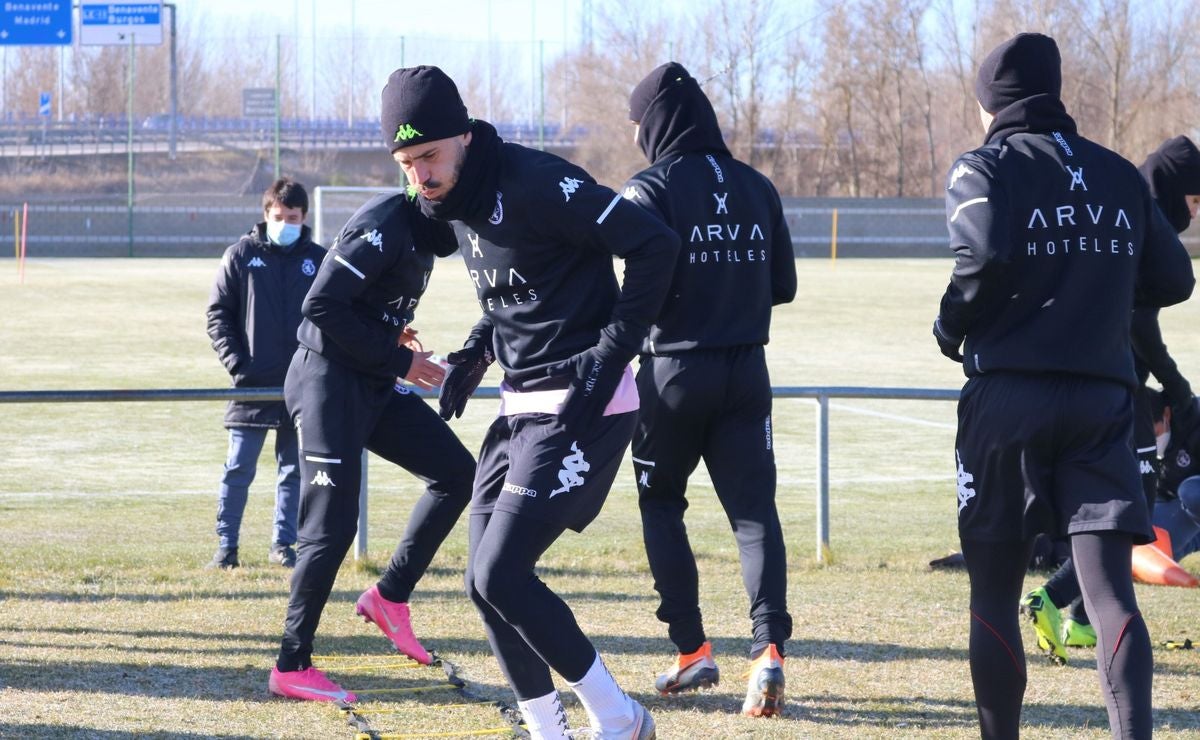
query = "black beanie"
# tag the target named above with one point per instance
(1173, 173)
(1028, 64)
(659, 79)
(421, 104)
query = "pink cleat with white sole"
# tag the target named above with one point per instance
(392, 618)
(307, 685)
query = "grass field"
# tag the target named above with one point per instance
(109, 625)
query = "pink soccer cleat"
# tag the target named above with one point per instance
(392, 618)
(307, 685)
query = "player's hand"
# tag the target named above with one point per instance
(947, 344)
(408, 338)
(594, 380)
(424, 372)
(466, 368)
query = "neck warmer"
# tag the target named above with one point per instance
(474, 194)
(1037, 114)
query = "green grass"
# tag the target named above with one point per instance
(109, 626)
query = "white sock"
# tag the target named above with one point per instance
(606, 704)
(545, 717)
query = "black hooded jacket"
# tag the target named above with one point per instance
(1172, 172)
(253, 313)
(736, 260)
(538, 236)
(370, 284)
(1055, 239)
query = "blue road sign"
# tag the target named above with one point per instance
(103, 23)
(44, 104)
(35, 23)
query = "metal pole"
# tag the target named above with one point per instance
(489, 65)
(318, 222)
(312, 79)
(823, 479)
(173, 125)
(532, 58)
(278, 45)
(542, 95)
(350, 95)
(129, 142)
(360, 537)
(62, 52)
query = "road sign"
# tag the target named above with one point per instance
(44, 104)
(258, 102)
(112, 24)
(35, 23)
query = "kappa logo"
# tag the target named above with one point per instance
(965, 492)
(569, 476)
(322, 479)
(308, 267)
(960, 171)
(1147, 467)
(405, 131)
(644, 479)
(1076, 178)
(519, 490)
(631, 193)
(374, 238)
(721, 198)
(256, 262)
(569, 185)
(498, 212)
(1063, 143)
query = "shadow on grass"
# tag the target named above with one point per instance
(16, 729)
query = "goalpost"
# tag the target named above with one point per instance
(334, 205)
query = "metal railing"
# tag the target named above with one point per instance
(820, 394)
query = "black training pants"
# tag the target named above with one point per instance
(715, 405)
(339, 412)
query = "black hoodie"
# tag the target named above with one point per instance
(1055, 239)
(737, 259)
(538, 236)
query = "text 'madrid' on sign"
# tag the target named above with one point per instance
(115, 24)
(35, 23)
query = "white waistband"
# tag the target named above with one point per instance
(512, 402)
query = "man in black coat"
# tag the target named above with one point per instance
(253, 314)
(1056, 239)
(703, 382)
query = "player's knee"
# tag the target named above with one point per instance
(497, 585)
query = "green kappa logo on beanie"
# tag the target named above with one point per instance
(405, 131)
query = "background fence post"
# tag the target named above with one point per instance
(822, 479)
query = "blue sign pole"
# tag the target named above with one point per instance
(35, 23)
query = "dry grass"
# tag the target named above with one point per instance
(109, 626)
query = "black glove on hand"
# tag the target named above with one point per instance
(467, 367)
(947, 344)
(594, 379)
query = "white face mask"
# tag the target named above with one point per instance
(283, 233)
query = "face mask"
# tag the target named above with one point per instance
(283, 234)
(1162, 440)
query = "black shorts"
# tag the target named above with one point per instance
(1047, 453)
(530, 465)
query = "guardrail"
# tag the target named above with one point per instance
(820, 394)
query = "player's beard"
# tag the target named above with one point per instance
(447, 186)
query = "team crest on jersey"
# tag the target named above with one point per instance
(308, 267)
(498, 213)
(1183, 459)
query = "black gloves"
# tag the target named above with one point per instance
(467, 367)
(594, 380)
(947, 344)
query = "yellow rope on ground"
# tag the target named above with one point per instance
(409, 690)
(506, 731)
(408, 710)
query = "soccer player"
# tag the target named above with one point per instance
(1054, 239)
(253, 313)
(703, 382)
(343, 395)
(1173, 174)
(538, 236)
